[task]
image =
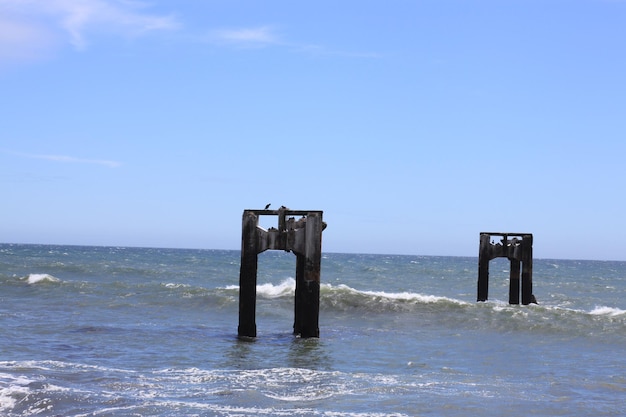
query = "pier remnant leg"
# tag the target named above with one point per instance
(514, 282)
(483, 268)
(247, 276)
(527, 270)
(300, 262)
(307, 298)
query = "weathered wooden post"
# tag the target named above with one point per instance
(518, 251)
(247, 274)
(483, 267)
(307, 299)
(527, 270)
(302, 237)
(514, 285)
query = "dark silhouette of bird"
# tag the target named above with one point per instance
(268, 206)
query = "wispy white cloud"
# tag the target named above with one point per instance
(28, 25)
(252, 36)
(32, 29)
(23, 41)
(265, 36)
(79, 17)
(67, 159)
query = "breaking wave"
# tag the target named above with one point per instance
(40, 278)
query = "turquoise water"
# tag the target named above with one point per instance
(99, 331)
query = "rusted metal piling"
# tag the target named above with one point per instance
(303, 237)
(518, 248)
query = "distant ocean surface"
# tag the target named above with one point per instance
(111, 331)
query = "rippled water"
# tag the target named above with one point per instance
(130, 331)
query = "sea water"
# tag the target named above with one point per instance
(107, 331)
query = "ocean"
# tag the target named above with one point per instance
(114, 331)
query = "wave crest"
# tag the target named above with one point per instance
(607, 311)
(285, 288)
(40, 278)
(344, 297)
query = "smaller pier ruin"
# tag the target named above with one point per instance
(518, 248)
(303, 237)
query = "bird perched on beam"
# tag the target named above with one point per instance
(268, 206)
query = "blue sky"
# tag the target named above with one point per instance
(414, 125)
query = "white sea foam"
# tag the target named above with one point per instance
(7, 399)
(11, 389)
(175, 285)
(285, 384)
(399, 296)
(287, 287)
(40, 278)
(607, 311)
(409, 296)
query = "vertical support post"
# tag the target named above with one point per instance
(527, 270)
(247, 275)
(514, 284)
(306, 322)
(483, 268)
(297, 319)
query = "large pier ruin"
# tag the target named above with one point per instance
(518, 248)
(303, 237)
